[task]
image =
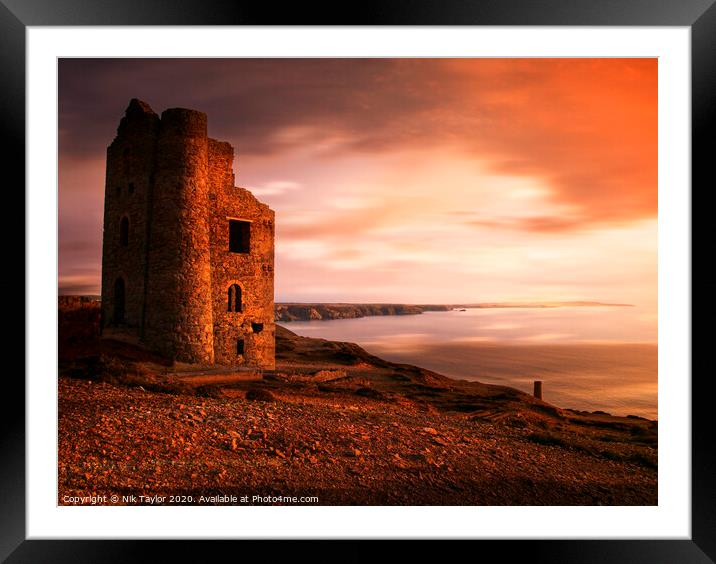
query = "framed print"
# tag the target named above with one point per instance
(426, 274)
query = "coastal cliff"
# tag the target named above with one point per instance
(318, 311)
(313, 312)
(334, 422)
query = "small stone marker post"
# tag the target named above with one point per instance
(538, 389)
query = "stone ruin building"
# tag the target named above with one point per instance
(187, 257)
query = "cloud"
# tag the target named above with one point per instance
(542, 224)
(274, 188)
(586, 126)
(508, 177)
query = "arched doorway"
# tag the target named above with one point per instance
(119, 295)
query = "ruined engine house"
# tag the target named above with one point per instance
(187, 257)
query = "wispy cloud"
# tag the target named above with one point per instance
(405, 179)
(274, 188)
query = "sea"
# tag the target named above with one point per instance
(596, 358)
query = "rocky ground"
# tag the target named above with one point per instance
(331, 422)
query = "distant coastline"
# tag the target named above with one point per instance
(296, 311)
(326, 311)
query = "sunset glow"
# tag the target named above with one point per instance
(403, 180)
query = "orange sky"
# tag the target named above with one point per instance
(408, 180)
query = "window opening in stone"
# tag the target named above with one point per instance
(235, 298)
(239, 346)
(131, 188)
(124, 232)
(239, 236)
(257, 327)
(119, 292)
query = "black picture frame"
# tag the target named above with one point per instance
(698, 15)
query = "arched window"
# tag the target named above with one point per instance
(124, 231)
(119, 292)
(235, 298)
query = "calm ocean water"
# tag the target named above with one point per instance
(590, 358)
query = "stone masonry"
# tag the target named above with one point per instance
(187, 257)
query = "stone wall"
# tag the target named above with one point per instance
(252, 272)
(130, 166)
(71, 303)
(175, 187)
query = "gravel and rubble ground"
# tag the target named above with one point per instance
(332, 424)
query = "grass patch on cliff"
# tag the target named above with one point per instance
(546, 438)
(624, 454)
